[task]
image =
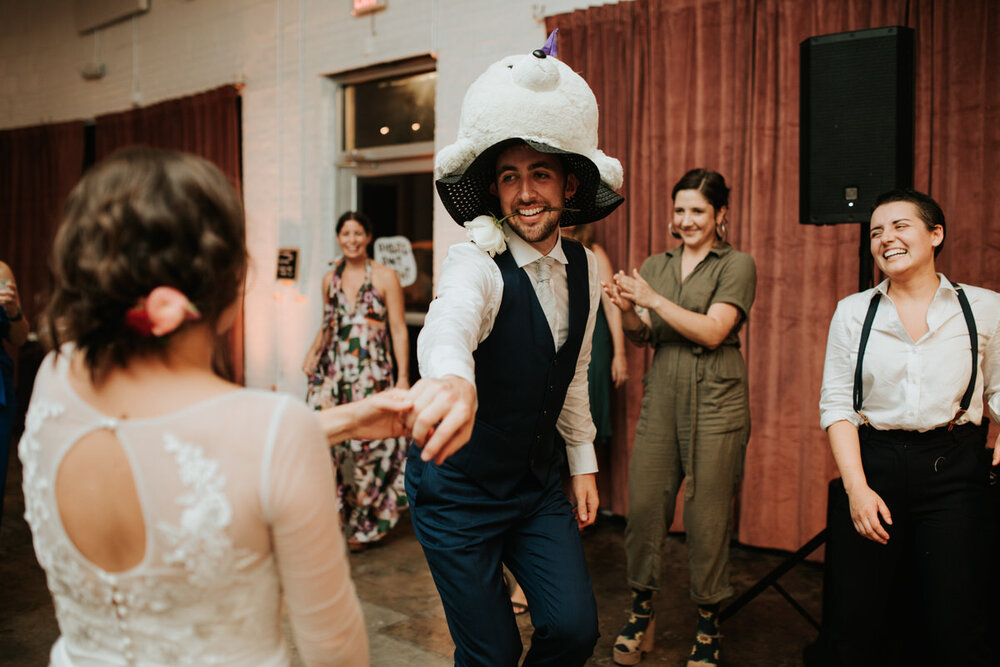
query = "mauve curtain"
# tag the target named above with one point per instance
(38, 168)
(691, 83)
(206, 124)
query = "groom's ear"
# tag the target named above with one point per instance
(572, 185)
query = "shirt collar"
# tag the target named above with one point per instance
(524, 253)
(944, 285)
(719, 249)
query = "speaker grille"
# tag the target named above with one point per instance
(856, 122)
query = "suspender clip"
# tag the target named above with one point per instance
(954, 420)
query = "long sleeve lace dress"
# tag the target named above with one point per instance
(239, 505)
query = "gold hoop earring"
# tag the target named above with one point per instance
(721, 231)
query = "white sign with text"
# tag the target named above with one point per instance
(396, 253)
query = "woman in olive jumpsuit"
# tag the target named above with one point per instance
(689, 304)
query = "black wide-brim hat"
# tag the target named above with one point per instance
(467, 195)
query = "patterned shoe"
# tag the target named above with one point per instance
(708, 640)
(636, 637)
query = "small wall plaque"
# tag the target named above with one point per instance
(288, 263)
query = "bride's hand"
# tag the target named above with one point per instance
(382, 415)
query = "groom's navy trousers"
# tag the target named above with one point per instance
(499, 499)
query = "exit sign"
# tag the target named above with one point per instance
(367, 6)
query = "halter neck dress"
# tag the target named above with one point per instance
(354, 362)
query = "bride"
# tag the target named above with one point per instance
(171, 509)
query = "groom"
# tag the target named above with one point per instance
(511, 328)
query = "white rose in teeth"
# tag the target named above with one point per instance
(484, 231)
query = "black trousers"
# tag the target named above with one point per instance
(920, 599)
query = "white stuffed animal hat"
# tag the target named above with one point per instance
(534, 99)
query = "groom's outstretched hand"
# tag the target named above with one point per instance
(444, 411)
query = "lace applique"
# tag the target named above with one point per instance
(200, 543)
(36, 511)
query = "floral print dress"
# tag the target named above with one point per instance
(353, 363)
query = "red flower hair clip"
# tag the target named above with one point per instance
(161, 312)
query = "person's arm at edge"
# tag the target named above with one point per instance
(20, 328)
(619, 367)
(575, 423)
(991, 376)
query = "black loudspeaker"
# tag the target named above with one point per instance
(856, 122)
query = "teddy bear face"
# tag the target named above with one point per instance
(533, 97)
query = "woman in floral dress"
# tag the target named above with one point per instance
(349, 360)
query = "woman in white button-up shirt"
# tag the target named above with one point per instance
(909, 440)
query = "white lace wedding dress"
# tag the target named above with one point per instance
(239, 504)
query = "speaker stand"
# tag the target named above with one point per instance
(771, 580)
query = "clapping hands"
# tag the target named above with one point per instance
(628, 291)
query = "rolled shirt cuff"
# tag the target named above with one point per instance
(827, 419)
(582, 459)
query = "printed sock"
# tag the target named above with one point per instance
(707, 638)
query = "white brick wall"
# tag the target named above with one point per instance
(282, 51)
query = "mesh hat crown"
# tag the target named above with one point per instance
(534, 99)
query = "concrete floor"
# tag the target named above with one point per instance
(406, 624)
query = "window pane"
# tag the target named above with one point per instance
(399, 110)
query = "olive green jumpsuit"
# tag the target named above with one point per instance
(694, 425)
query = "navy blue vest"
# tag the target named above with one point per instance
(521, 380)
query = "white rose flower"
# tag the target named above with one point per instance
(487, 234)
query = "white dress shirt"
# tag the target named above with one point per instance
(915, 386)
(462, 315)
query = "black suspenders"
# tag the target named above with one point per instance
(970, 322)
(865, 332)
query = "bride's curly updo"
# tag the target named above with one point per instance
(139, 219)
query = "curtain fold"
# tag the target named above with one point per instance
(207, 125)
(38, 168)
(714, 83)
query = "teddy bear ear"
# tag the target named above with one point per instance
(551, 47)
(609, 168)
(454, 158)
